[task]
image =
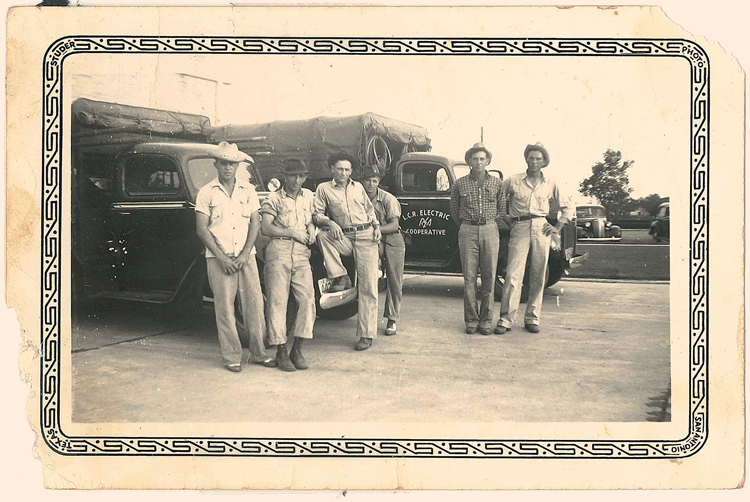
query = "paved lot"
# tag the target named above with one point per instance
(602, 355)
(636, 257)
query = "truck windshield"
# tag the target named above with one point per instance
(202, 171)
(590, 212)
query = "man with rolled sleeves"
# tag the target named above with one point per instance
(287, 221)
(227, 223)
(392, 247)
(477, 204)
(344, 211)
(529, 197)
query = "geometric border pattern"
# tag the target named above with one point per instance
(52, 125)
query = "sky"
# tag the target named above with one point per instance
(577, 107)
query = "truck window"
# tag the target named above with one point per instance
(202, 171)
(148, 174)
(96, 172)
(424, 177)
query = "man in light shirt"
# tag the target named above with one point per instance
(344, 211)
(227, 223)
(529, 197)
(287, 221)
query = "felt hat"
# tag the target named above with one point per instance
(478, 147)
(295, 166)
(230, 153)
(539, 148)
(371, 172)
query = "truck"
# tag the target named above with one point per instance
(136, 173)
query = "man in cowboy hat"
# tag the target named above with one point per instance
(530, 196)
(227, 222)
(392, 247)
(287, 220)
(477, 205)
(344, 211)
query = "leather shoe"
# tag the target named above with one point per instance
(485, 331)
(390, 330)
(500, 330)
(363, 343)
(282, 360)
(470, 330)
(298, 360)
(532, 328)
(234, 368)
(340, 284)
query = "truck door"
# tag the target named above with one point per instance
(93, 171)
(423, 189)
(156, 224)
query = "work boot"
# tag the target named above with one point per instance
(298, 360)
(500, 329)
(532, 328)
(282, 359)
(363, 343)
(340, 284)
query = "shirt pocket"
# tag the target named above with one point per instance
(286, 217)
(245, 209)
(337, 213)
(215, 211)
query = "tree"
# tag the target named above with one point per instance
(608, 183)
(650, 203)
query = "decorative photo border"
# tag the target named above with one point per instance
(52, 230)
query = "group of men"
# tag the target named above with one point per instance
(359, 219)
(479, 203)
(344, 217)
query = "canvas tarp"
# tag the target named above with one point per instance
(315, 139)
(91, 116)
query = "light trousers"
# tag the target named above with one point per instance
(365, 251)
(246, 284)
(392, 253)
(525, 237)
(288, 266)
(479, 246)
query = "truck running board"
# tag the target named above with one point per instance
(579, 260)
(331, 300)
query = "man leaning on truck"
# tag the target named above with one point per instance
(227, 223)
(344, 211)
(477, 204)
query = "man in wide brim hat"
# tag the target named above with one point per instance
(539, 148)
(478, 147)
(373, 171)
(295, 166)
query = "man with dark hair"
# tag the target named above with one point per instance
(392, 246)
(287, 221)
(344, 211)
(227, 222)
(529, 197)
(477, 204)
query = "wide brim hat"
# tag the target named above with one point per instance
(230, 153)
(295, 166)
(539, 148)
(368, 172)
(478, 147)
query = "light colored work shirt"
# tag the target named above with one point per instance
(289, 212)
(346, 204)
(229, 215)
(523, 199)
(386, 206)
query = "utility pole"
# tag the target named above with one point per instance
(481, 134)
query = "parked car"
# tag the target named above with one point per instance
(660, 227)
(592, 224)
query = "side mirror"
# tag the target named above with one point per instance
(274, 185)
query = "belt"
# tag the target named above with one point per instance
(475, 223)
(287, 239)
(356, 228)
(525, 217)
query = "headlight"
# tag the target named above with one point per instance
(587, 224)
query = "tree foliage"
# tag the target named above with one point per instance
(608, 183)
(649, 203)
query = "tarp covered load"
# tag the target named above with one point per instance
(99, 117)
(370, 138)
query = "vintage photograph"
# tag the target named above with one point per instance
(317, 238)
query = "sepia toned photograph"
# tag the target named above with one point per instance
(374, 246)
